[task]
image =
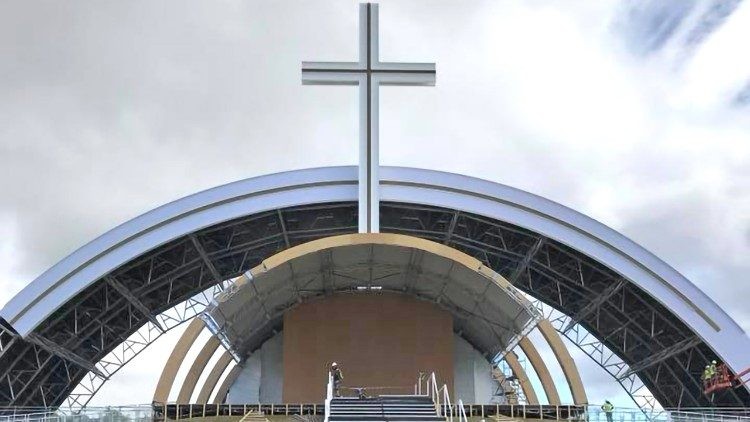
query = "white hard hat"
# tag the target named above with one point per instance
(333, 364)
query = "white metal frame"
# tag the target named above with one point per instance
(85, 266)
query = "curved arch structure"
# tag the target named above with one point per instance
(548, 385)
(403, 265)
(566, 362)
(232, 312)
(654, 319)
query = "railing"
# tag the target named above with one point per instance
(329, 397)
(713, 414)
(461, 412)
(442, 408)
(140, 413)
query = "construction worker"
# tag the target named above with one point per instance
(713, 368)
(608, 407)
(706, 376)
(337, 376)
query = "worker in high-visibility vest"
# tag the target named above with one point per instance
(707, 375)
(608, 407)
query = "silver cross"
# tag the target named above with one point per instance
(368, 73)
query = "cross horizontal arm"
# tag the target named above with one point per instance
(332, 78)
(332, 66)
(402, 78)
(403, 67)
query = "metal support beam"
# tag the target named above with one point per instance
(662, 355)
(282, 226)
(64, 353)
(137, 304)
(595, 303)
(451, 227)
(202, 252)
(524, 264)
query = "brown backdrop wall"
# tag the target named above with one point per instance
(377, 340)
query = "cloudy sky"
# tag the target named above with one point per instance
(636, 113)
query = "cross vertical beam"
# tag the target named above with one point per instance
(368, 74)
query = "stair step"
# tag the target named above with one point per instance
(381, 418)
(404, 405)
(390, 408)
(378, 411)
(389, 415)
(378, 406)
(387, 420)
(378, 401)
(349, 410)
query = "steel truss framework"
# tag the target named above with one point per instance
(106, 325)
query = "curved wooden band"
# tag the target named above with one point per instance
(213, 377)
(196, 369)
(566, 362)
(541, 370)
(168, 374)
(528, 389)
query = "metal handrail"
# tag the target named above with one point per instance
(442, 408)
(329, 397)
(461, 411)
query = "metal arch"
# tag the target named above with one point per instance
(603, 356)
(569, 282)
(153, 259)
(136, 343)
(400, 184)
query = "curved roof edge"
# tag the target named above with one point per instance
(74, 273)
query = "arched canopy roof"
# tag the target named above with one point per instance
(487, 310)
(641, 308)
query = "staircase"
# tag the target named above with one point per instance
(254, 416)
(384, 409)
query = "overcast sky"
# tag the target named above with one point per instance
(634, 113)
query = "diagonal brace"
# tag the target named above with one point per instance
(206, 260)
(64, 353)
(137, 304)
(526, 261)
(662, 355)
(595, 303)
